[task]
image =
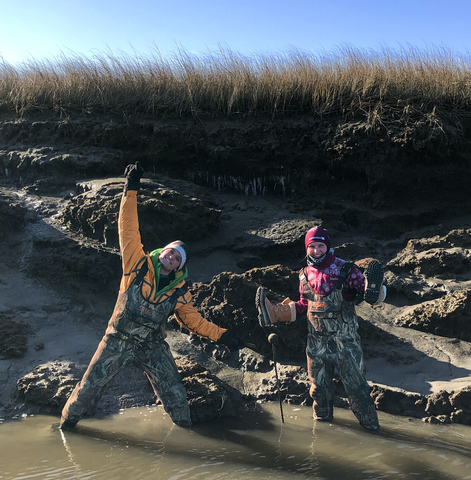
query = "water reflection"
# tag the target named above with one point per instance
(143, 444)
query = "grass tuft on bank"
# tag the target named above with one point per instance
(379, 86)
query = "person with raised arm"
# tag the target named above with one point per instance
(153, 287)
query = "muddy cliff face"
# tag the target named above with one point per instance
(405, 161)
(242, 194)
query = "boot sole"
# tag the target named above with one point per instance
(375, 274)
(263, 317)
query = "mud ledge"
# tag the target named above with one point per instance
(258, 186)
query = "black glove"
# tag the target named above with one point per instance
(133, 174)
(231, 341)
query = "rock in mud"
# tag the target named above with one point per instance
(47, 387)
(49, 159)
(439, 256)
(209, 397)
(284, 237)
(13, 338)
(165, 214)
(398, 402)
(438, 404)
(229, 301)
(415, 287)
(293, 383)
(449, 316)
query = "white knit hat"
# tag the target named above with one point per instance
(181, 248)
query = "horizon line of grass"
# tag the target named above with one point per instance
(397, 84)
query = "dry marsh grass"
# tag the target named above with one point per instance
(389, 84)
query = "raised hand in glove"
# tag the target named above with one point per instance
(231, 341)
(133, 174)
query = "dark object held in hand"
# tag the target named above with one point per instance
(231, 341)
(133, 173)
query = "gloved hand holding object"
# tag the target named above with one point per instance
(231, 341)
(375, 291)
(133, 174)
(269, 313)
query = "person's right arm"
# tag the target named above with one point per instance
(301, 304)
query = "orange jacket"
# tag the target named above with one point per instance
(132, 252)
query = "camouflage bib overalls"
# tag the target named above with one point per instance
(135, 336)
(334, 344)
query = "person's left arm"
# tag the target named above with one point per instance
(188, 317)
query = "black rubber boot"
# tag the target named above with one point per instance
(374, 274)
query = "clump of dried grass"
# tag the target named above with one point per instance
(390, 83)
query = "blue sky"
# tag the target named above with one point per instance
(43, 29)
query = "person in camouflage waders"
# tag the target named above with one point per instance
(328, 288)
(152, 288)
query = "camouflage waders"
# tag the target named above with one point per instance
(334, 344)
(135, 336)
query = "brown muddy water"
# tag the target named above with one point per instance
(143, 444)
